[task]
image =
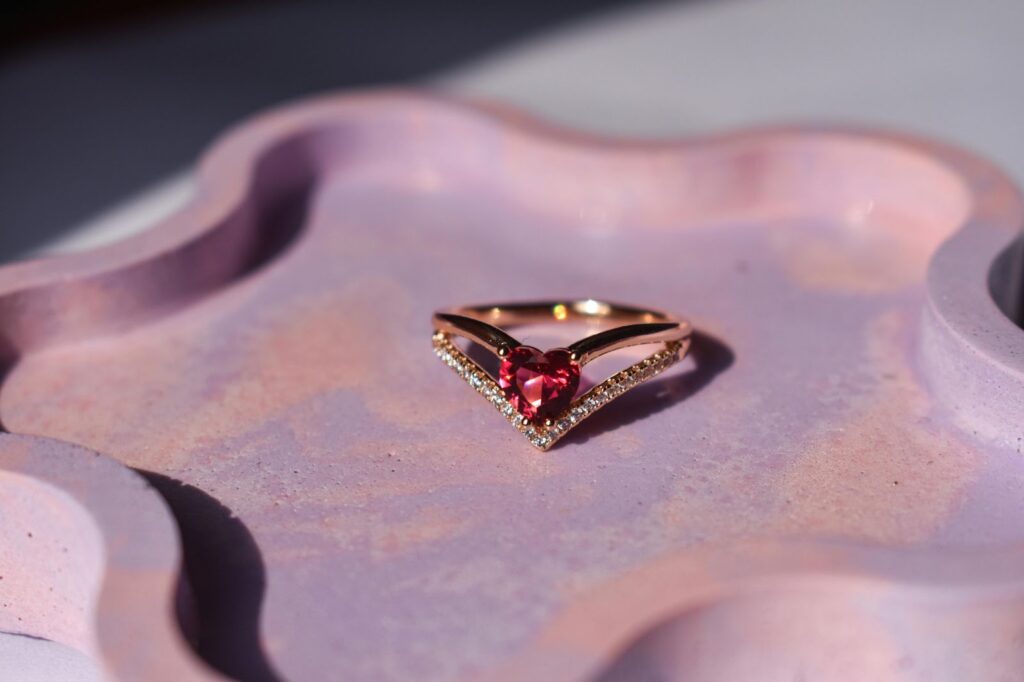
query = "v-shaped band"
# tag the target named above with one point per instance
(524, 406)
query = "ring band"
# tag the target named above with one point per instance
(537, 391)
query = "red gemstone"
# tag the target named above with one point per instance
(539, 385)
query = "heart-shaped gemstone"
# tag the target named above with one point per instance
(539, 385)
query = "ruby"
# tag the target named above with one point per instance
(539, 385)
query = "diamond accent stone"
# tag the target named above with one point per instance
(570, 414)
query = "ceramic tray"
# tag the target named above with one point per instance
(829, 486)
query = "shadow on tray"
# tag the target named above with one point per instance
(219, 603)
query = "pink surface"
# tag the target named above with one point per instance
(90, 562)
(828, 486)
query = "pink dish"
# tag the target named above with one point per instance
(829, 486)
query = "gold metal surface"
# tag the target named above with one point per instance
(483, 324)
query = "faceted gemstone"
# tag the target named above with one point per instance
(539, 385)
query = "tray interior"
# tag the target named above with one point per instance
(401, 526)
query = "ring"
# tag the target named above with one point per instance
(536, 390)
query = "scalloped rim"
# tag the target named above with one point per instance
(958, 305)
(142, 552)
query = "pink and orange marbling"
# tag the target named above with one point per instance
(830, 486)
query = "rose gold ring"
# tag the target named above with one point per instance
(535, 390)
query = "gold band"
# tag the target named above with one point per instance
(639, 326)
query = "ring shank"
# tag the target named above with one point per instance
(637, 325)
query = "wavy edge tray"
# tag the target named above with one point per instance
(973, 359)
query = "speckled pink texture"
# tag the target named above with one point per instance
(799, 497)
(90, 561)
